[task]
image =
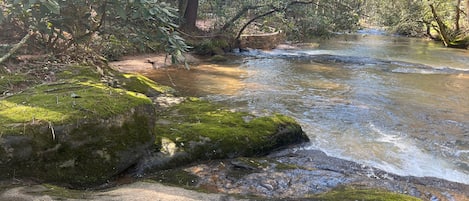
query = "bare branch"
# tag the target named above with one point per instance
(16, 47)
(238, 15)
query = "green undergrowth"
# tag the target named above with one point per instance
(352, 193)
(207, 131)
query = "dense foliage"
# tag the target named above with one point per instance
(95, 28)
(299, 19)
(445, 20)
(110, 28)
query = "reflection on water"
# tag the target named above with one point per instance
(203, 80)
(399, 104)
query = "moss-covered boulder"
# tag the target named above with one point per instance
(197, 130)
(76, 131)
(141, 84)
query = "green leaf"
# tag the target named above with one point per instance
(121, 12)
(52, 5)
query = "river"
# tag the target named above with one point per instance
(399, 104)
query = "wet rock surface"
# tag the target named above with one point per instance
(302, 174)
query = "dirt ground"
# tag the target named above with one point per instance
(138, 191)
(147, 62)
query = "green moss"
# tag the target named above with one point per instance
(461, 41)
(352, 194)
(177, 177)
(77, 131)
(218, 58)
(207, 131)
(141, 84)
(63, 193)
(85, 155)
(210, 47)
(55, 104)
(81, 73)
(9, 82)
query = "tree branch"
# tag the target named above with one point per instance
(274, 9)
(442, 29)
(16, 47)
(237, 16)
(252, 20)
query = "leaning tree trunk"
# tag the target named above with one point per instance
(458, 16)
(16, 47)
(467, 10)
(442, 29)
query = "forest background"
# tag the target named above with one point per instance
(96, 31)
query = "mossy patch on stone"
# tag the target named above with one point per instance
(141, 84)
(353, 193)
(64, 102)
(218, 58)
(199, 130)
(210, 47)
(10, 83)
(79, 72)
(76, 131)
(63, 193)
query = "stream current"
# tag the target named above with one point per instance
(395, 103)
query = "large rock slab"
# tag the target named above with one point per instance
(78, 132)
(192, 130)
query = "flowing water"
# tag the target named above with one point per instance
(395, 103)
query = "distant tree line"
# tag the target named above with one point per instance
(94, 28)
(445, 20)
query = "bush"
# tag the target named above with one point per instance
(102, 27)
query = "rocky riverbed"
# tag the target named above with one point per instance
(293, 174)
(146, 143)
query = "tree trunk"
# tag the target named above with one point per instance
(458, 16)
(467, 10)
(190, 14)
(442, 29)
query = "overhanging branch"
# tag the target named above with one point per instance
(273, 10)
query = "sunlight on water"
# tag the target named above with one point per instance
(399, 104)
(397, 152)
(387, 114)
